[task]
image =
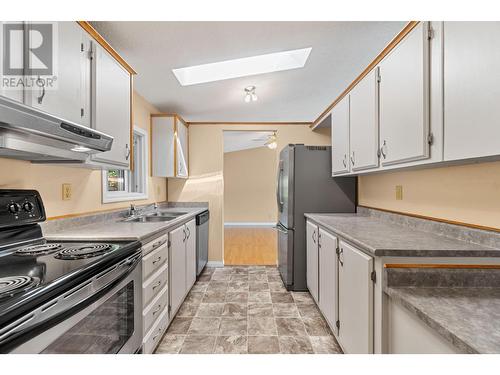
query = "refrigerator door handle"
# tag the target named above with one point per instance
(278, 187)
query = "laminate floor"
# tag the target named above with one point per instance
(250, 246)
(247, 310)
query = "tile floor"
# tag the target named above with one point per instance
(247, 310)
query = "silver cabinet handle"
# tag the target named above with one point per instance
(157, 260)
(319, 239)
(157, 310)
(188, 232)
(40, 83)
(185, 235)
(158, 244)
(157, 285)
(341, 253)
(314, 236)
(383, 150)
(127, 151)
(344, 161)
(352, 158)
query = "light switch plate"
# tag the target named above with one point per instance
(66, 192)
(399, 192)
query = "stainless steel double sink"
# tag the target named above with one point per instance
(155, 217)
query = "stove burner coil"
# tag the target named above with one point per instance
(14, 284)
(39, 249)
(85, 251)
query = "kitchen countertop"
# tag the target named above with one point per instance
(381, 238)
(116, 229)
(468, 318)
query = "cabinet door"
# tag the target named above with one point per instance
(111, 106)
(14, 58)
(190, 254)
(182, 149)
(312, 259)
(340, 137)
(177, 267)
(471, 89)
(355, 300)
(328, 276)
(404, 99)
(364, 123)
(162, 146)
(69, 100)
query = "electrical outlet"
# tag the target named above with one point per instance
(66, 192)
(399, 192)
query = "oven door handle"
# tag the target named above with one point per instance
(50, 314)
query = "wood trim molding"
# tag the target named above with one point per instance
(166, 114)
(440, 220)
(247, 123)
(104, 44)
(392, 44)
(451, 266)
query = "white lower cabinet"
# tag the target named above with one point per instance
(190, 254)
(312, 259)
(177, 268)
(355, 300)
(328, 277)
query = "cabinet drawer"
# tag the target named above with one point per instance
(155, 244)
(152, 312)
(154, 285)
(154, 260)
(154, 336)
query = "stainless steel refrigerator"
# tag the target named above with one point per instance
(305, 185)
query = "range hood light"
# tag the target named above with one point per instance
(79, 148)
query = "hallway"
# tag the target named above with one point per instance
(250, 246)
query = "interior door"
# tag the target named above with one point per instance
(190, 254)
(364, 123)
(471, 89)
(68, 99)
(312, 259)
(355, 300)
(340, 137)
(404, 99)
(111, 106)
(177, 266)
(328, 276)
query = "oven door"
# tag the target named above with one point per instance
(110, 322)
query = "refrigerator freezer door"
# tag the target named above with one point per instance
(285, 187)
(285, 254)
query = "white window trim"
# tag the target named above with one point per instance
(111, 197)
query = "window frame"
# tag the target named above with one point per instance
(122, 196)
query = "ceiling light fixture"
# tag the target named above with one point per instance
(272, 141)
(250, 95)
(247, 66)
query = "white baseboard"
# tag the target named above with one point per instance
(250, 224)
(215, 264)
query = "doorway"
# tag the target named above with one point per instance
(250, 210)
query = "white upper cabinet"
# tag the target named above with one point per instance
(471, 89)
(340, 137)
(182, 148)
(70, 99)
(111, 103)
(355, 300)
(16, 60)
(364, 123)
(404, 99)
(169, 146)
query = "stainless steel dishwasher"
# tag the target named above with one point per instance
(201, 241)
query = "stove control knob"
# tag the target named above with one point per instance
(28, 206)
(14, 208)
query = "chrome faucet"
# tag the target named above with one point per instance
(132, 210)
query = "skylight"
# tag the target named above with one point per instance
(248, 66)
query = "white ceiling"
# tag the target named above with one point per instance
(340, 51)
(244, 140)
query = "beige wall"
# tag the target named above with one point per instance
(467, 193)
(86, 183)
(206, 161)
(250, 185)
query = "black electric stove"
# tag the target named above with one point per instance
(34, 271)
